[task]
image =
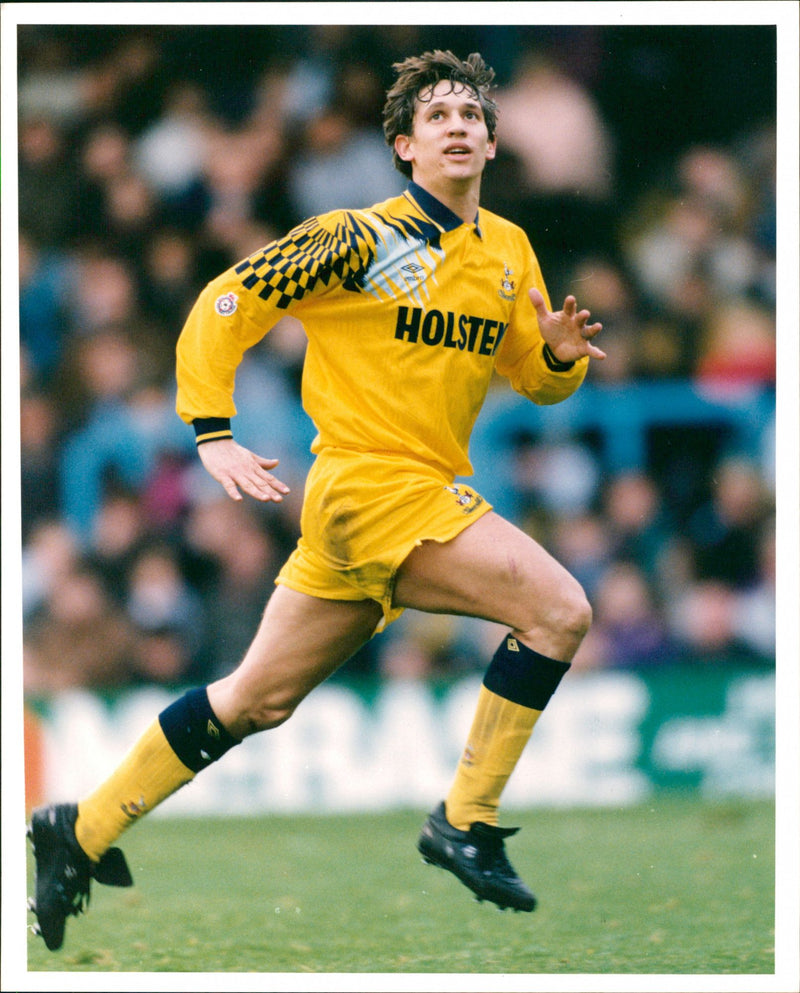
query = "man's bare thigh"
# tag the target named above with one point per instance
(492, 570)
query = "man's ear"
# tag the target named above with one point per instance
(402, 145)
(491, 150)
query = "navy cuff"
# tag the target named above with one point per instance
(552, 362)
(211, 429)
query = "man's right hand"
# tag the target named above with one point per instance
(238, 470)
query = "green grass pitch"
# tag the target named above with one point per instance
(673, 886)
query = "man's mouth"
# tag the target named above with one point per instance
(457, 151)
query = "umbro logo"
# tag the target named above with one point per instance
(414, 272)
(133, 809)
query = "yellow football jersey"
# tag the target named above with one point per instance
(408, 311)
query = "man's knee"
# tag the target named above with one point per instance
(247, 709)
(566, 616)
(577, 611)
(268, 712)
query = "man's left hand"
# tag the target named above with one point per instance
(567, 332)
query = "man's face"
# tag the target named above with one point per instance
(449, 140)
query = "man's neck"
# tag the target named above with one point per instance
(464, 201)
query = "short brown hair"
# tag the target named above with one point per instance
(421, 72)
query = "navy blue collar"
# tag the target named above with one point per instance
(437, 211)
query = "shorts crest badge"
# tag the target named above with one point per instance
(465, 498)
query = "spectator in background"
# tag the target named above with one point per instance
(161, 657)
(630, 630)
(104, 293)
(693, 250)
(669, 258)
(756, 605)
(104, 159)
(170, 154)
(50, 554)
(48, 183)
(39, 471)
(116, 440)
(78, 637)
(608, 289)
(119, 531)
(44, 280)
(738, 351)
(168, 615)
(558, 476)
(550, 121)
(640, 529)
(715, 177)
(342, 161)
(725, 530)
(584, 544)
(131, 210)
(169, 277)
(703, 621)
(52, 85)
(237, 165)
(238, 553)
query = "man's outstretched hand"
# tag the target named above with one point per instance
(239, 470)
(567, 331)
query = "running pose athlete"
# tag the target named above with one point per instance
(410, 308)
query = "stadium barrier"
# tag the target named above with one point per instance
(607, 738)
(622, 420)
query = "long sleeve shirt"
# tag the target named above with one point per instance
(408, 312)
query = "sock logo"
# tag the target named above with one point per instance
(133, 809)
(212, 730)
(512, 645)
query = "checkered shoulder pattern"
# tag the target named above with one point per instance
(336, 249)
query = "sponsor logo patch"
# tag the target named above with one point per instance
(226, 304)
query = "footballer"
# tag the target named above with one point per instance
(410, 307)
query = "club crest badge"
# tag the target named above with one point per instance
(507, 284)
(468, 500)
(226, 304)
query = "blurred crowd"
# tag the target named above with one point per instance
(152, 159)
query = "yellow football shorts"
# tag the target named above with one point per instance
(362, 516)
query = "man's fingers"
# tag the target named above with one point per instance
(262, 486)
(231, 489)
(594, 351)
(265, 479)
(537, 300)
(240, 471)
(590, 330)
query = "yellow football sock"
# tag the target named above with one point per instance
(500, 730)
(147, 775)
